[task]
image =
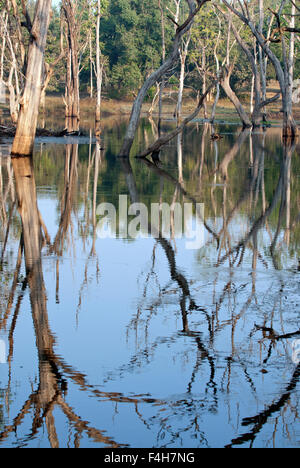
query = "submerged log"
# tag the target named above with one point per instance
(9, 131)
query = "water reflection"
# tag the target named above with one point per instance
(165, 347)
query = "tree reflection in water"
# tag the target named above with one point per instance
(201, 322)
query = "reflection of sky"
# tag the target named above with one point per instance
(120, 323)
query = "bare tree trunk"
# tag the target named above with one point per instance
(156, 76)
(13, 98)
(27, 121)
(72, 82)
(99, 67)
(12, 82)
(204, 80)
(91, 66)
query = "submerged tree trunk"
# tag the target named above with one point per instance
(28, 114)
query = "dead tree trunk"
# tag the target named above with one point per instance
(29, 104)
(156, 76)
(284, 72)
(72, 80)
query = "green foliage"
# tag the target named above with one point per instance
(125, 79)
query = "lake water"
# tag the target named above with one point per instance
(153, 341)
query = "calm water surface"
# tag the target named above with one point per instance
(143, 342)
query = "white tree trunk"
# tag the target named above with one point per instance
(28, 115)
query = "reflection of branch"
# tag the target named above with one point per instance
(176, 276)
(231, 154)
(83, 426)
(69, 187)
(175, 182)
(259, 222)
(274, 336)
(7, 232)
(261, 419)
(52, 383)
(14, 284)
(162, 141)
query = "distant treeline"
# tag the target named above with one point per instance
(132, 46)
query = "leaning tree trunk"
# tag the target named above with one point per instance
(29, 104)
(225, 83)
(156, 76)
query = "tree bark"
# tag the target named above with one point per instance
(28, 114)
